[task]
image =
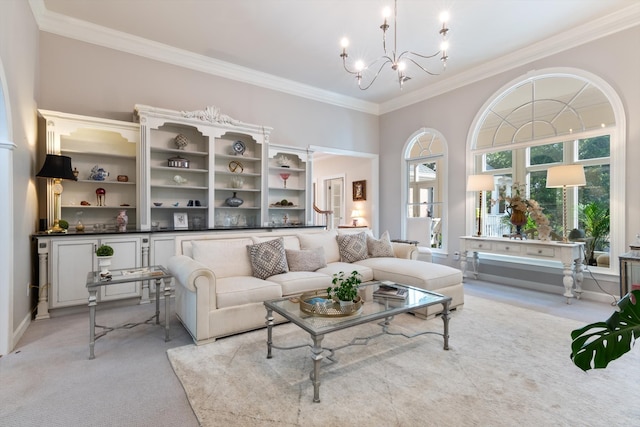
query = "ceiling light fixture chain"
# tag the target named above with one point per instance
(396, 61)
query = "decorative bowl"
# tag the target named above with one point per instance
(157, 203)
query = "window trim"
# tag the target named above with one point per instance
(617, 151)
(404, 171)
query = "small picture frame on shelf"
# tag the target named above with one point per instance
(180, 221)
(359, 190)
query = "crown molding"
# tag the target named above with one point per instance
(90, 33)
(621, 20)
(84, 31)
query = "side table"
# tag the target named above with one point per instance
(94, 281)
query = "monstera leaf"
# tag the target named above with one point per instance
(597, 344)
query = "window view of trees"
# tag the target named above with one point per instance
(588, 206)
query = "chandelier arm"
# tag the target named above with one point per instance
(375, 76)
(422, 56)
(344, 64)
(422, 68)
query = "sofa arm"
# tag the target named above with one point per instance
(404, 250)
(187, 271)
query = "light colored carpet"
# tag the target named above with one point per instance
(506, 366)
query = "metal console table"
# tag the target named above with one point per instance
(94, 281)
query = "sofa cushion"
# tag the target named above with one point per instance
(239, 290)
(268, 258)
(290, 242)
(409, 272)
(297, 282)
(305, 260)
(325, 240)
(380, 247)
(352, 247)
(225, 257)
(336, 267)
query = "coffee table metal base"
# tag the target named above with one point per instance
(317, 350)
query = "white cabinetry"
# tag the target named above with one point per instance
(70, 258)
(89, 141)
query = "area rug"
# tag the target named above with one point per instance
(507, 366)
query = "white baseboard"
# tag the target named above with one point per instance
(20, 330)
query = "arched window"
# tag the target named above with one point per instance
(551, 118)
(425, 189)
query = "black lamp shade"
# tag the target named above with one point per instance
(57, 167)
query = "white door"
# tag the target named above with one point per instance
(334, 190)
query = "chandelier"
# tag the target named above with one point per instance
(397, 60)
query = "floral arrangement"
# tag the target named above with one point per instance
(518, 202)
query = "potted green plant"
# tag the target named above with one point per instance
(345, 288)
(594, 346)
(594, 217)
(104, 254)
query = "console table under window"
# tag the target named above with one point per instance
(569, 254)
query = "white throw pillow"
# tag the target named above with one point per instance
(380, 247)
(305, 260)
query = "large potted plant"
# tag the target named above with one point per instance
(345, 288)
(104, 253)
(597, 344)
(594, 217)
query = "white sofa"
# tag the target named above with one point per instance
(217, 293)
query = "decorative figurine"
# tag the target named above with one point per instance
(181, 141)
(101, 195)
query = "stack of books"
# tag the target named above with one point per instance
(390, 291)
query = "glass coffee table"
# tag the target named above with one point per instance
(374, 308)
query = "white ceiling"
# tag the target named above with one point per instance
(293, 45)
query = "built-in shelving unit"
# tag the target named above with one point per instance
(287, 186)
(212, 170)
(92, 142)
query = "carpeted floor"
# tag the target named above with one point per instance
(506, 366)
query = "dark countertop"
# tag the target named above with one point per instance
(91, 232)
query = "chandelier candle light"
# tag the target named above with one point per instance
(480, 183)
(562, 177)
(394, 57)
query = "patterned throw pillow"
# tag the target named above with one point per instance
(353, 247)
(268, 258)
(306, 260)
(380, 247)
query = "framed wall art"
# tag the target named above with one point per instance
(180, 221)
(359, 190)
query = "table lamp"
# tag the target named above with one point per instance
(58, 168)
(355, 215)
(562, 177)
(480, 183)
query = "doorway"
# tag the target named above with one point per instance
(334, 191)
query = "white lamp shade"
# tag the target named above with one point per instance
(566, 175)
(356, 213)
(480, 183)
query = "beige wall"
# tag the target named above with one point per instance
(86, 79)
(19, 59)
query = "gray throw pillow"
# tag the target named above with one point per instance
(353, 247)
(268, 258)
(380, 247)
(306, 259)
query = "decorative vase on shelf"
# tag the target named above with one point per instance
(234, 201)
(122, 220)
(518, 218)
